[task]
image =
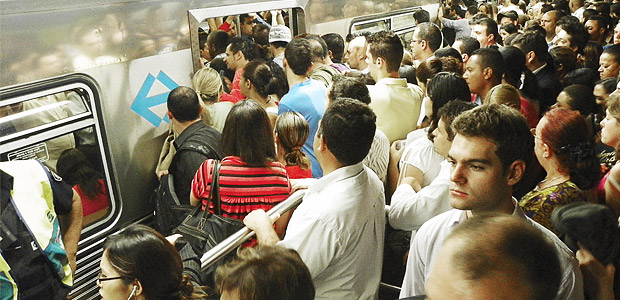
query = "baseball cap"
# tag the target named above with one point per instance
(279, 33)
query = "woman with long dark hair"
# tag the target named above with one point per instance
(250, 176)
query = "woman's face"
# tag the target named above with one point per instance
(111, 289)
(563, 100)
(503, 34)
(610, 131)
(244, 84)
(600, 95)
(538, 143)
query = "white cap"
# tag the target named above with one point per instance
(279, 33)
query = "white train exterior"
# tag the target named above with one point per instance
(118, 60)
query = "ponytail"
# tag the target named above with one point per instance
(293, 130)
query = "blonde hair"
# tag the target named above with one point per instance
(292, 130)
(208, 84)
(505, 94)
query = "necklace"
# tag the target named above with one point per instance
(547, 182)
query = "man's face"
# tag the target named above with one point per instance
(563, 39)
(548, 22)
(478, 182)
(247, 26)
(593, 30)
(479, 32)
(617, 34)
(441, 142)
(608, 66)
(373, 67)
(505, 21)
(354, 53)
(474, 75)
(230, 60)
(416, 45)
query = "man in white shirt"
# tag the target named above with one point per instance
(396, 103)
(488, 157)
(412, 203)
(338, 230)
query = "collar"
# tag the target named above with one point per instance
(461, 215)
(189, 131)
(539, 69)
(335, 176)
(393, 81)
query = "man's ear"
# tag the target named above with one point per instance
(284, 62)
(530, 57)
(424, 44)
(170, 116)
(322, 143)
(331, 55)
(515, 172)
(465, 57)
(380, 62)
(488, 73)
(238, 55)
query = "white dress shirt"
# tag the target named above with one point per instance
(432, 234)
(338, 231)
(409, 210)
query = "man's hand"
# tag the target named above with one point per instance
(262, 225)
(598, 279)
(302, 184)
(161, 173)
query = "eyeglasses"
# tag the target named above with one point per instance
(533, 131)
(100, 279)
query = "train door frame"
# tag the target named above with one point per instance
(196, 16)
(85, 86)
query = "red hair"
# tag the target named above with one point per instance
(568, 135)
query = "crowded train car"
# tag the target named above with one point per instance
(396, 119)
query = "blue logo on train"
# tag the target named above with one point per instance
(142, 104)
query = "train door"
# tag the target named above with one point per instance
(57, 121)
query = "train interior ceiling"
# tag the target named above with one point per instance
(94, 75)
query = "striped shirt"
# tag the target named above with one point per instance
(243, 188)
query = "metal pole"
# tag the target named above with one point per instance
(233, 241)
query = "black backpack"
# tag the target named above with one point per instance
(169, 212)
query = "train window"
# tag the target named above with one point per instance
(41, 111)
(58, 128)
(372, 26)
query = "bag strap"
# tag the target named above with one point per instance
(213, 193)
(215, 188)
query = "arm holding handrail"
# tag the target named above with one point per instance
(233, 241)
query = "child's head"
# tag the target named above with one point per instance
(291, 133)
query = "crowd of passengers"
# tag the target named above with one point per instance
(493, 137)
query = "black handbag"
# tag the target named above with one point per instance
(203, 230)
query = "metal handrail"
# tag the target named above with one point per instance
(220, 250)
